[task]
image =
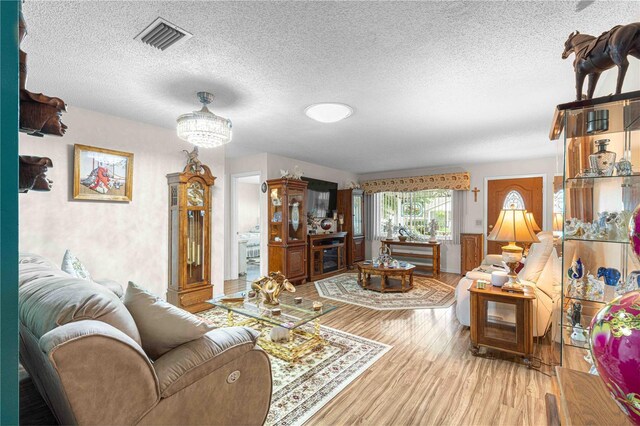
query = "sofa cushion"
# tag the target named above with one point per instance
(72, 266)
(49, 297)
(536, 260)
(112, 285)
(550, 279)
(162, 326)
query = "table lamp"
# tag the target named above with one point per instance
(558, 224)
(533, 222)
(513, 227)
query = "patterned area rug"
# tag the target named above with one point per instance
(426, 293)
(302, 388)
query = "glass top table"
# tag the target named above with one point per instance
(292, 315)
(298, 338)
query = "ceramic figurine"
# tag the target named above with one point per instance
(593, 55)
(611, 275)
(594, 288)
(279, 334)
(579, 334)
(576, 313)
(296, 174)
(432, 227)
(615, 346)
(576, 271)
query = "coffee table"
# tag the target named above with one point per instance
(384, 285)
(292, 317)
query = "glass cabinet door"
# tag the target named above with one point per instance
(297, 215)
(358, 207)
(275, 215)
(601, 190)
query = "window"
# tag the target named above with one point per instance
(513, 200)
(414, 211)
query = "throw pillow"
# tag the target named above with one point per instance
(162, 326)
(72, 266)
(537, 258)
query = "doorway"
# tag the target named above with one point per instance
(246, 252)
(524, 192)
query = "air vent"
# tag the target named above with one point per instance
(162, 34)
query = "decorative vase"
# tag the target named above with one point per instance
(634, 232)
(295, 216)
(615, 347)
(603, 161)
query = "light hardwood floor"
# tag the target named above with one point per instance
(429, 377)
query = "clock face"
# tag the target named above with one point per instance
(264, 187)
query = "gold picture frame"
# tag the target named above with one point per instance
(102, 174)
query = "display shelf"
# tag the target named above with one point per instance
(589, 182)
(588, 240)
(588, 198)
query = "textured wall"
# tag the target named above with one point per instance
(121, 241)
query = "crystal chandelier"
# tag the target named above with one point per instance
(203, 128)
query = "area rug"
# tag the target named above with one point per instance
(302, 388)
(426, 293)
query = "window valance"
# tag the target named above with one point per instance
(455, 181)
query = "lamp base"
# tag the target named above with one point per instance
(511, 256)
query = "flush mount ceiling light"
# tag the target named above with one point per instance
(328, 112)
(203, 128)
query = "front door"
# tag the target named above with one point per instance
(523, 192)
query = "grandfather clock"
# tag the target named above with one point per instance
(190, 236)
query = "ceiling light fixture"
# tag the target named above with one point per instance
(328, 112)
(203, 128)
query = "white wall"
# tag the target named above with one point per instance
(121, 241)
(475, 212)
(249, 202)
(275, 163)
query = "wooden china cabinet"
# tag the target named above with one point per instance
(288, 228)
(351, 205)
(190, 238)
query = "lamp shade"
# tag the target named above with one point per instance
(558, 222)
(512, 226)
(532, 221)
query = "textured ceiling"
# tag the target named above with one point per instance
(431, 83)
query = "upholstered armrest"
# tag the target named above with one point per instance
(105, 374)
(191, 361)
(112, 285)
(478, 275)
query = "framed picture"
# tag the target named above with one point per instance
(102, 174)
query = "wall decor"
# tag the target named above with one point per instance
(39, 114)
(102, 174)
(597, 54)
(33, 174)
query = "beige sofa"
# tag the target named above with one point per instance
(541, 272)
(82, 349)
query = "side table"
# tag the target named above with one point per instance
(491, 331)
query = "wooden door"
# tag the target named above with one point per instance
(528, 189)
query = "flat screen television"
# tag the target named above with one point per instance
(322, 197)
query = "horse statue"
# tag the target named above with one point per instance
(597, 54)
